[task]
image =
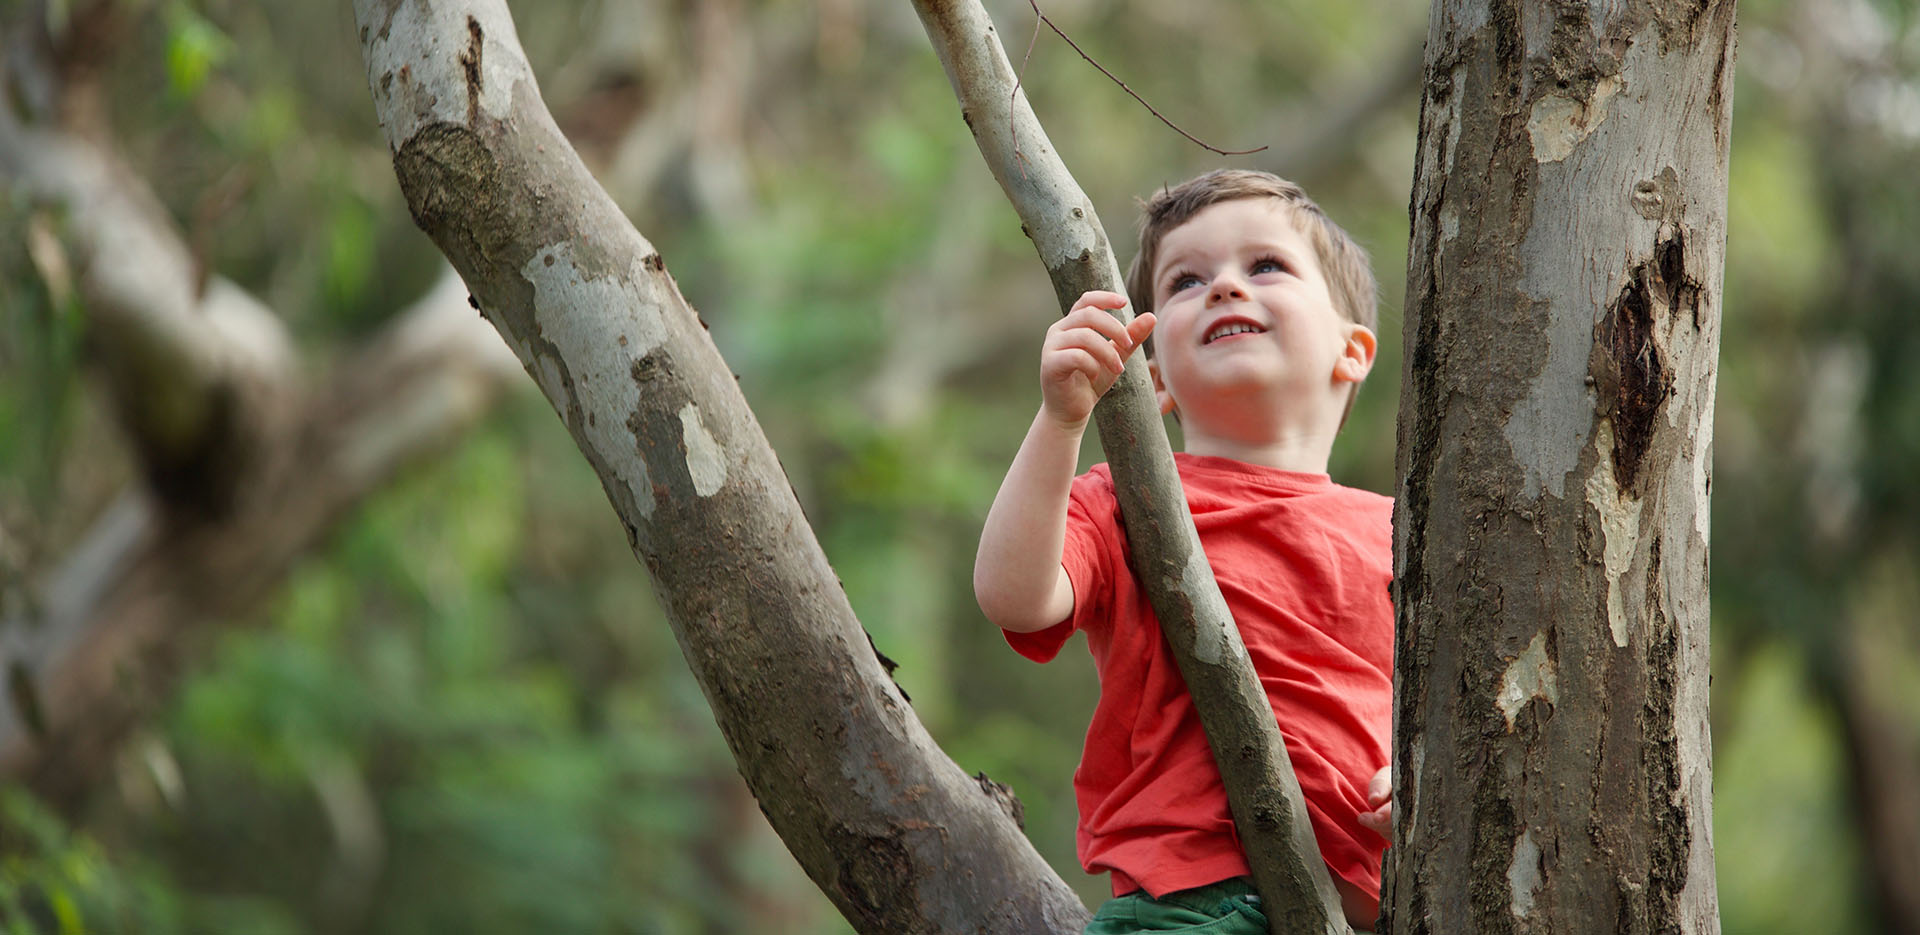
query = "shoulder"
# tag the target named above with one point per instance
(1100, 475)
(1364, 501)
(1091, 500)
(1363, 516)
(1094, 488)
(1364, 507)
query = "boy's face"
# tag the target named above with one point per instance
(1249, 342)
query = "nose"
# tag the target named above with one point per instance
(1225, 287)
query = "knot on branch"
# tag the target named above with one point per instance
(1002, 795)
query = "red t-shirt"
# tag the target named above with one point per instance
(1304, 565)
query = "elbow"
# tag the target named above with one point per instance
(992, 603)
(1016, 612)
(1016, 599)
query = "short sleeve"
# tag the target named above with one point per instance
(1088, 555)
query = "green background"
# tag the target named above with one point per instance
(473, 674)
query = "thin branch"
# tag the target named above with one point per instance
(1123, 86)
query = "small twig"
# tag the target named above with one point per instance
(1123, 86)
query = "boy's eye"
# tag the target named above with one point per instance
(1183, 282)
(1268, 265)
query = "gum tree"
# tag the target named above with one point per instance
(1562, 326)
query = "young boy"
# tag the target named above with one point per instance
(1261, 312)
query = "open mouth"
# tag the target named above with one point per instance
(1229, 329)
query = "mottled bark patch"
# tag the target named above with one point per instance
(1629, 368)
(450, 179)
(1533, 674)
(1558, 122)
(1002, 795)
(706, 462)
(1671, 840)
(390, 7)
(875, 878)
(470, 66)
(1680, 21)
(1495, 829)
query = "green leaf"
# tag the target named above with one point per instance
(195, 47)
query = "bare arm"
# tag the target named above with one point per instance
(1017, 576)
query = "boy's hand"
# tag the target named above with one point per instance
(1084, 353)
(1380, 800)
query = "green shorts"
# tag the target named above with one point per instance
(1229, 907)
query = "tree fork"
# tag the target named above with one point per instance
(1563, 314)
(1269, 812)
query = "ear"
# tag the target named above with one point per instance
(1356, 355)
(1159, 388)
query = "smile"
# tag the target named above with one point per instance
(1232, 328)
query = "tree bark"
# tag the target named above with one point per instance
(1563, 317)
(889, 828)
(1263, 794)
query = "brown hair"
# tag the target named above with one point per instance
(1343, 262)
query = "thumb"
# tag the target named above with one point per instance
(1380, 787)
(1141, 326)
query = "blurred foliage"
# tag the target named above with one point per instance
(466, 713)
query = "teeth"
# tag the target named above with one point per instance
(1232, 329)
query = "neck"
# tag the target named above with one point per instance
(1306, 452)
(1258, 429)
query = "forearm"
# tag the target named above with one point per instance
(1017, 576)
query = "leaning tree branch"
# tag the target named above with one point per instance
(1269, 812)
(117, 622)
(888, 827)
(246, 465)
(200, 378)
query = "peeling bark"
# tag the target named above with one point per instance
(889, 828)
(1568, 215)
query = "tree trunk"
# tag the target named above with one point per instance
(889, 828)
(1871, 659)
(1563, 315)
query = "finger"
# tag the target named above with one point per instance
(1095, 345)
(1096, 298)
(1136, 332)
(1379, 821)
(1073, 362)
(1089, 335)
(1380, 787)
(1093, 319)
